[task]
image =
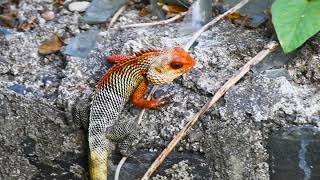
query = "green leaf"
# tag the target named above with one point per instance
(295, 21)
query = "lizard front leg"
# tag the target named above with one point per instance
(137, 98)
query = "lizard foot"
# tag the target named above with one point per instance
(163, 98)
(165, 101)
(129, 154)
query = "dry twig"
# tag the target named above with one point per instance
(163, 155)
(116, 16)
(167, 21)
(232, 81)
(197, 34)
(123, 159)
(269, 48)
(215, 20)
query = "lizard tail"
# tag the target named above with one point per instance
(98, 169)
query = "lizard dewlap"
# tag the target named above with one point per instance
(128, 78)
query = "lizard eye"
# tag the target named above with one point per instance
(176, 65)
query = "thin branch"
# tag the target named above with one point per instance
(167, 21)
(197, 34)
(116, 16)
(232, 81)
(194, 37)
(116, 176)
(139, 120)
(215, 20)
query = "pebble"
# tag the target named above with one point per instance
(20, 89)
(100, 10)
(4, 31)
(78, 6)
(48, 15)
(82, 44)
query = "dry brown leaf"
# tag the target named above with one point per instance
(144, 12)
(51, 45)
(58, 2)
(238, 19)
(29, 24)
(174, 9)
(9, 20)
(234, 15)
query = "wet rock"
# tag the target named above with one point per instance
(219, 8)
(100, 10)
(253, 7)
(48, 148)
(82, 44)
(258, 20)
(249, 111)
(275, 60)
(156, 9)
(20, 89)
(78, 6)
(304, 66)
(177, 166)
(275, 73)
(199, 14)
(294, 153)
(184, 3)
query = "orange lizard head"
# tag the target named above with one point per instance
(169, 65)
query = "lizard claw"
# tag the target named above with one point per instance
(126, 152)
(164, 101)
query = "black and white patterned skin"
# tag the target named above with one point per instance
(108, 103)
(114, 90)
(112, 93)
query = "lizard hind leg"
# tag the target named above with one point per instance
(81, 112)
(124, 134)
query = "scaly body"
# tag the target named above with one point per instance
(128, 77)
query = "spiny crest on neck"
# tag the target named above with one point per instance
(122, 61)
(142, 52)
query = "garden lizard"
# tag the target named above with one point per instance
(127, 78)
